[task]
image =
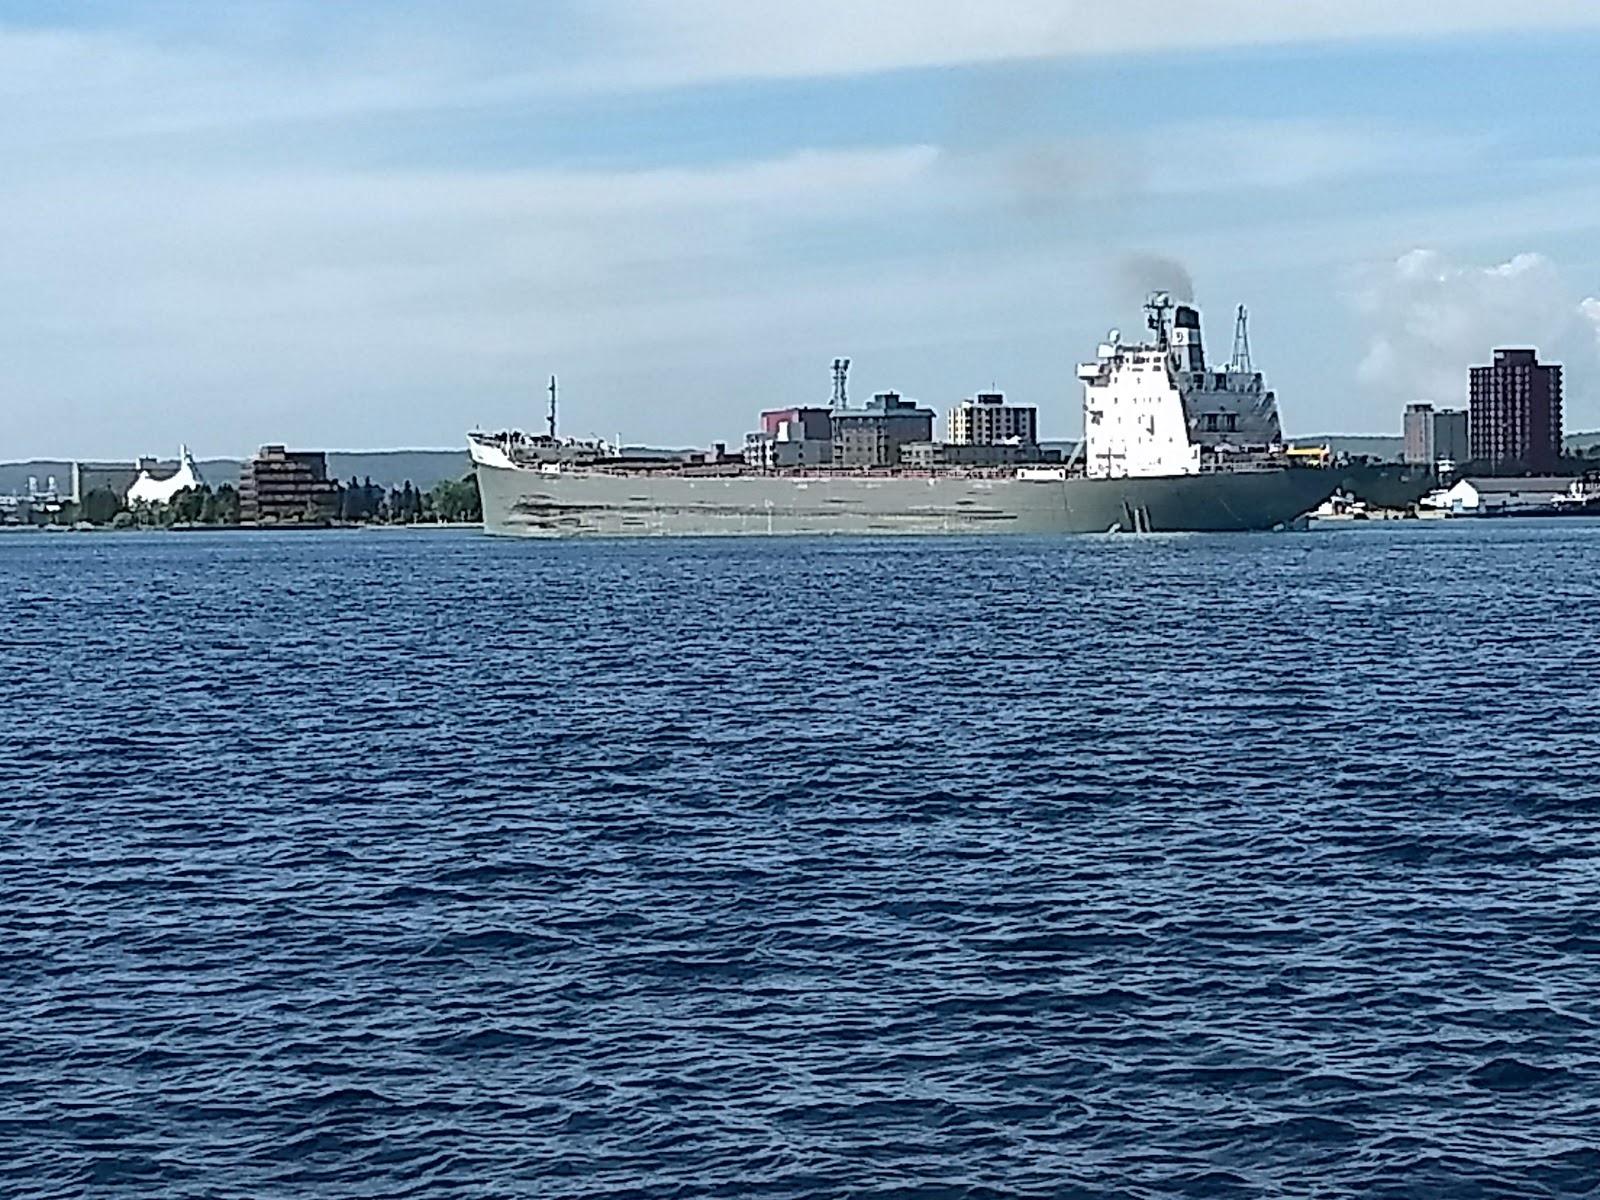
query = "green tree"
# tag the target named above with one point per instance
(227, 505)
(457, 500)
(100, 506)
(352, 501)
(188, 507)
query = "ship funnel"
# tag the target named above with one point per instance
(1186, 340)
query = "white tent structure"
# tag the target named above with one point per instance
(150, 490)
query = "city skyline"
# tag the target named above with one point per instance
(371, 226)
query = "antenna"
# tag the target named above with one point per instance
(841, 372)
(551, 419)
(1156, 309)
(1241, 343)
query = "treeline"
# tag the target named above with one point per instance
(453, 501)
(358, 503)
(192, 506)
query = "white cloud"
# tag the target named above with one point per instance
(697, 41)
(1430, 317)
(227, 305)
(211, 235)
(168, 73)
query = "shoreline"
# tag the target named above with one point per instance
(421, 526)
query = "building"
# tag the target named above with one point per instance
(1480, 497)
(872, 436)
(767, 453)
(282, 487)
(150, 488)
(987, 420)
(1435, 437)
(1516, 411)
(112, 477)
(1451, 444)
(791, 437)
(810, 424)
(922, 456)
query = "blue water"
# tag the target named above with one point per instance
(398, 864)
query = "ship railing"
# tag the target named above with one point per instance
(1240, 461)
(735, 471)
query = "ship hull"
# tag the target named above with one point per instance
(529, 502)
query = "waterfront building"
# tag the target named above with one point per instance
(1499, 495)
(922, 456)
(150, 488)
(809, 424)
(872, 436)
(113, 477)
(1435, 437)
(791, 437)
(280, 486)
(1516, 411)
(987, 420)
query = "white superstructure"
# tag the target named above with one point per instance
(1156, 408)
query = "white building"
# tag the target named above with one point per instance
(1487, 497)
(147, 489)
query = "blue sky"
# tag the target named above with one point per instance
(365, 224)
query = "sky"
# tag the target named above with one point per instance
(364, 225)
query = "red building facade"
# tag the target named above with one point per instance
(1515, 414)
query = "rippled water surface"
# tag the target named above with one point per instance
(393, 864)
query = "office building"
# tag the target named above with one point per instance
(1515, 414)
(987, 420)
(282, 487)
(1435, 436)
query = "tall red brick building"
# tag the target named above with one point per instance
(1515, 414)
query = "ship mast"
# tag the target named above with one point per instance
(1156, 309)
(1241, 343)
(550, 419)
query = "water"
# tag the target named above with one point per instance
(390, 864)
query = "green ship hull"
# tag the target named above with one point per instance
(534, 502)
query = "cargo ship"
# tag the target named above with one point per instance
(1170, 445)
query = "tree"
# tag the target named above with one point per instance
(100, 506)
(188, 506)
(227, 508)
(457, 500)
(350, 501)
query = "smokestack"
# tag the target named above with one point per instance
(1186, 341)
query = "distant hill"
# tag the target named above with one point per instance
(1372, 445)
(1582, 443)
(387, 468)
(391, 468)
(1388, 446)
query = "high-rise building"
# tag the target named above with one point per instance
(1450, 441)
(987, 420)
(279, 486)
(1419, 434)
(1435, 436)
(1516, 411)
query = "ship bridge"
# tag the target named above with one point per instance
(1157, 408)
